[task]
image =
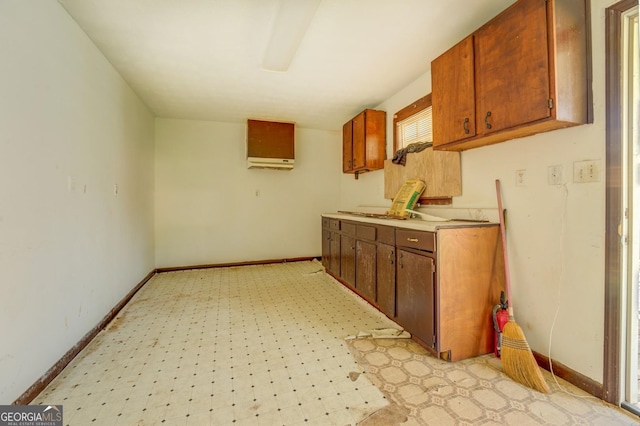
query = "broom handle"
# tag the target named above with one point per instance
(504, 249)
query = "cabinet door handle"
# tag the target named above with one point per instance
(486, 119)
(465, 125)
(413, 240)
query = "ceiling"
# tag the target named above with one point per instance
(202, 59)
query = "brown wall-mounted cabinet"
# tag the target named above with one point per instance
(522, 73)
(364, 142)
(270, 139)
(439, 286)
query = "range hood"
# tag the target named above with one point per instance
(270, 145)
(270, 163)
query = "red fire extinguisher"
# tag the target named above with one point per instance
(500, 318)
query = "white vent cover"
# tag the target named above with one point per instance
(270, 163)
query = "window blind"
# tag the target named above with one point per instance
(416, 128)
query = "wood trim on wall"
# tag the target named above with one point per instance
(406, 112)
(579, 380)
(35, 389)
(613, 205)
(226, 265)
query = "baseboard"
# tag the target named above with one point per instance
(579, 380)
(226, 265)
(35, 389)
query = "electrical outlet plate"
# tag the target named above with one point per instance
(554, 175)
(521, 178)
(586, 171)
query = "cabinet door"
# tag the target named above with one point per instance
(386, 279)
(359, 137)
(348, 260)
(366, 269)
(513, 68)
(326, 248)
(347, 147)
(415, 299)
(334, 257)
(268, 139)
(453, 94)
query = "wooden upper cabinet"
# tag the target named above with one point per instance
(454, 114)
(359, 141)
(364, 142)
(270, 139)
(522, 73)
(513, 68)
(347, 147)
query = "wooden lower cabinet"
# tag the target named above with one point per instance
(331, 245)
(334, 253)
(366, 261)
(439, 286)
(348, 260)
(415, 296)
(470, 277)
(386, 279)
(326, 247)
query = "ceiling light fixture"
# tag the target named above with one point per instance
(289, 29)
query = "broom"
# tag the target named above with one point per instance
(517, 359)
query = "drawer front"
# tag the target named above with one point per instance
(348, 228)
(334, 224)
(325, 222)
(421, 240)
(387, 235)
(365, 232)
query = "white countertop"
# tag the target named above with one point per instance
(417, 224)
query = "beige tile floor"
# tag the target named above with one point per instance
(264, 345)
(243, 345)
(423, 390)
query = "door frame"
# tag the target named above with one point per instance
(614, 210)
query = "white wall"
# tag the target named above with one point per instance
(556, 233)
(66, 257)
(207, 211)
